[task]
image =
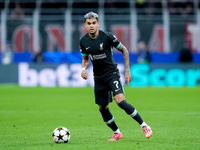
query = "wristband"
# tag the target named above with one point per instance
(83, 69)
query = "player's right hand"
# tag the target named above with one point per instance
(84, 74)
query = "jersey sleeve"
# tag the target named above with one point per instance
(82, 49)
(114, 41)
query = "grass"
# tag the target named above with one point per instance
(28, 117)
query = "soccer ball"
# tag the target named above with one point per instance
(61, 135)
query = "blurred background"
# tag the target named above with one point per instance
(40, 40)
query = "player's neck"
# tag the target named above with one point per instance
(93, 36)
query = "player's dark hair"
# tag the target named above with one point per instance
(91, 15)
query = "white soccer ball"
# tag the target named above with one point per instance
(61, 135)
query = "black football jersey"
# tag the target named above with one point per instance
(100, 52)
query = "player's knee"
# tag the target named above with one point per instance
(103, 107)
(119, 97)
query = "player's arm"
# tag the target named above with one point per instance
(85, 64)
(125, 53)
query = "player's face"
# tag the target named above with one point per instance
(92, 26)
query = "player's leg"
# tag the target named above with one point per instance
(103, 97)
(118, 93)
(109, 120)
(119, 97)
(130, 110)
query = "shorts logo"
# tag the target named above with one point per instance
(101, 46)
(117, 90)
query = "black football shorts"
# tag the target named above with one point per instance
(105, 89)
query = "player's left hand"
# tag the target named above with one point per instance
(127, 76)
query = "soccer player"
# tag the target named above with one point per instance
(97, 45)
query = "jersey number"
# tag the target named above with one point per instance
(116, 84)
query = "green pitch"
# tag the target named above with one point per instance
(28, 117)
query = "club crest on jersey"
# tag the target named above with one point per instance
(101, 46)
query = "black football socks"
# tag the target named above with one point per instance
(130, 110)
(108, 118)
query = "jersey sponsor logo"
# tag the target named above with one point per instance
(91, 57)
(101, 46)
(100, 56)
